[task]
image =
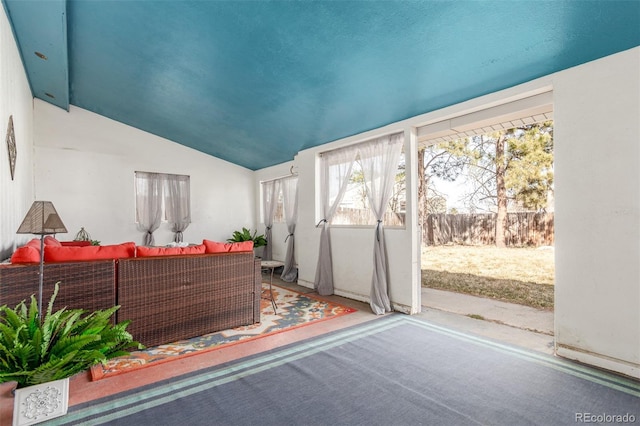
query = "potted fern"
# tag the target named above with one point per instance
(40, 354)
(246, 235)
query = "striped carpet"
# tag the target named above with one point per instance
(394, 370)
(294, 310)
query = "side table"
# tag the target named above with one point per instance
(269, 266)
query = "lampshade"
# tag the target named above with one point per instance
(42, 219)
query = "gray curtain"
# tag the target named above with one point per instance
(379, 159)
(177, 204)
(270, 192)
(148, 204)
(335, 171)
(290, 206)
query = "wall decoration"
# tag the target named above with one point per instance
(11, 146)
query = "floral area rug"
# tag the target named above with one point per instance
(293, 310)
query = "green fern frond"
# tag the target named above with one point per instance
(70, 321)
(52, 369)
(36, 350)
(7, 358)
(56, 288)
(12, 317)
(18, 376)
(73, 343)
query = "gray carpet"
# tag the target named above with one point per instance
(395, 370)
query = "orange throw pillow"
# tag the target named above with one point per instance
(169, 251)
(74, 253)
(28, 253)
(216, 247)
(51, 241)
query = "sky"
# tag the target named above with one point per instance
(452, 191)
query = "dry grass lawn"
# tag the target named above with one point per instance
(516, 275)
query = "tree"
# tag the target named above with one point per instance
(446, 161)
(505, 170)
(501, 191)
(512, 167)
(357, 181)
(530, 174)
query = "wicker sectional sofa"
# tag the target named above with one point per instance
(83, 285)
(167, 298)
(170, 298)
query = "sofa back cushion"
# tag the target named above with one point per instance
(217, 247)
(75, 243)
(73, 253)
(169, 251)
(28, 253)
(51, 241)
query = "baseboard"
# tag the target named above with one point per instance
(601, 361)
(397, 307)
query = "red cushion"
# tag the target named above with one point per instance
(73, 253)
(28, 253)
(216, 247)
(169, 251)
(51, 241)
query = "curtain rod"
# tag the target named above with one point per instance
(159, 173)
(291, 174)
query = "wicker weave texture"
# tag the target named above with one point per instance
(178, 297)
(83, 285)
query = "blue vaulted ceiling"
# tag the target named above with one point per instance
(254, 82)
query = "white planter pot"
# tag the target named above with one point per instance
(37, 403)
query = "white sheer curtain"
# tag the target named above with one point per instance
(177, 201)
(148, 204)
(290, 206)
(335, 170)
(270, 191)
(379, 159)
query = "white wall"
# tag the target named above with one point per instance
(16, 195)
(597, 152)
(597, 219)
(85, 165)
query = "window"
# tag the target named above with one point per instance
(278, 216)
(354, 208)
(162, 197)
(165, 187)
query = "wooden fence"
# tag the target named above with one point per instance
(351, 216)
(524, 229)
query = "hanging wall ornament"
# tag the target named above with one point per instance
(11, 146)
